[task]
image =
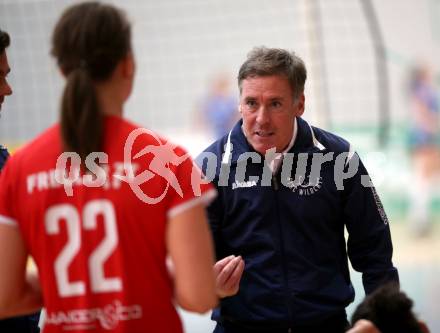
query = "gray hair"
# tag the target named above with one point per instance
(264, 61)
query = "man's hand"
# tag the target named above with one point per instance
(228, 272)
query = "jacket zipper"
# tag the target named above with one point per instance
(275, 187)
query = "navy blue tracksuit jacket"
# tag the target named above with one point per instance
(290, 232)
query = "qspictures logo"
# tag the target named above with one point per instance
(164, 158)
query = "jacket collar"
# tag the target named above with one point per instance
(237, 144)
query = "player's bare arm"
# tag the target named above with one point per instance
(187, 234)
(19, 293)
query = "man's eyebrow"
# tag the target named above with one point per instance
(276, 98)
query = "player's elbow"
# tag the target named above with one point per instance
(197, 302)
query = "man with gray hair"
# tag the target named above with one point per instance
(23, 324)
(286, 191)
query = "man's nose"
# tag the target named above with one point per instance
(262, 115)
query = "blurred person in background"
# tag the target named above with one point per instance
(387, 310)
(363, 326)
(218, 108)
(23, 324)
(100, 250)
(424, 144)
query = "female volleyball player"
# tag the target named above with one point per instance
(98, 223)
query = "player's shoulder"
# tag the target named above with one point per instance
(137, 137)
(131, 130)
(35, 155)
(42, 148)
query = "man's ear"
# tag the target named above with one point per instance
(300, 107)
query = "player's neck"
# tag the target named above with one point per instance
(109, 100)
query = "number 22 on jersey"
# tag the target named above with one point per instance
(70, 215)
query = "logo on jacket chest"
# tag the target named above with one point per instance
(303, 185)
(243, 184)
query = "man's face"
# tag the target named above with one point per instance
(5, 88)
(268, 109)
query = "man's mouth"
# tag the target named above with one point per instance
(264, 134)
